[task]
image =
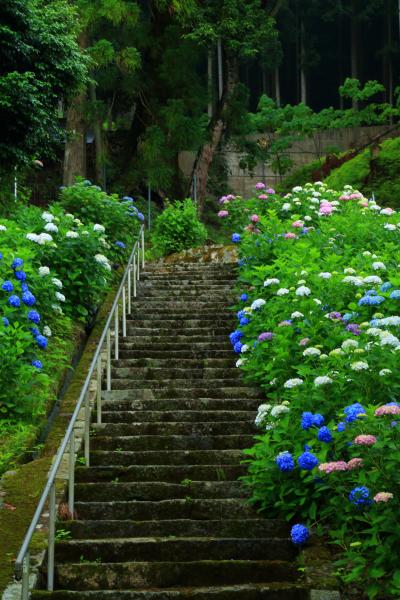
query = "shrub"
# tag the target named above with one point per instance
(353, 172)
(178, 228)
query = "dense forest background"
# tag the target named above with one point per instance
(114, 90)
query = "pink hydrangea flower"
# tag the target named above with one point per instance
(365, 440)
(326, 209)
(289, 236)
(387, 409)
(260, 185)
(331, 467)
(224, 200)
(304, 342)
(263, 197)
(270, 191)
(344, 197)
(223, 213)
(298, 224)
(354, 463)
(230, 197)
(255, 218)
(383, 497)
(364, 203)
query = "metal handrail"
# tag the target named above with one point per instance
(127, 286)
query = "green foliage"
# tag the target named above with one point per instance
(178, 228)
(352, 172)
(40, 61)
(300, 175)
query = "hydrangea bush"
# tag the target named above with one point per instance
(318, 329)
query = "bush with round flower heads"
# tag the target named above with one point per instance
(320, 325)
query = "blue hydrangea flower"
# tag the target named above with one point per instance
(14, 301)
(28, 298)
(140, 216)
(34, 316)
(127, 199)
(240, 314)
(285, 462)
(235, 336)
(35, 331)
(37, 364)
(307, 420)
(238, 347)
(17, 262)
(241, 262)
(20, 275)
(6, 322)
(359, 496)
(324, 435)
(395, 295)
(243, 297)
(341, 426)
(244, 321)
(307, 461)
(87, 183)
(371, 300)
(1, 256)
(371, 293)
(318, 420)
(236, 238)
(7, 286)
(24, 287)
(299, 534)
(41, 341)
(120, 245)
(352, 411)
(386, 286)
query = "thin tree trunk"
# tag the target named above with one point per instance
(277, 87)
(98, 140)
(303, 77)
(354, 47)
(210, 83)
(217, 127)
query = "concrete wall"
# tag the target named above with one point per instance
(302, 152)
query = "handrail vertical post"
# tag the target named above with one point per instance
(116, 329)
(143, 248)
(108, 360)
(123, 312)
(98, 390)
(52, 535)
(129, 291)
(87, 430)
(138, 262)
(134, 277)
(71, 475)
(25, 577)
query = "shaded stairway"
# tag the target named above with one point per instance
(160, 513)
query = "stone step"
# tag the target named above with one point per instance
(232, 528)
(153, 490)
(160, 416)
(171, 353)
(174, 314)
(170, 343)
(173, 363)
(188, 384)
(137, 575)
(171, 442)
(199, 331)
(250, 591)
(166, 473)
(205, 404)
(164, 374)
(207, 428)
(173, 392)
(166, 457)
(146, 510)
(162, 549)
(161, 296)
(184, 305)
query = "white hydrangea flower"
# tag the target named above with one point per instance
(291, 383)
(51, 227)
(348, 344)
(72, 234)
(78, 221)
(282, 292)
(357, 281)
(240, 362)
(244, 348)
(103, 261)
(307, 218)
(297, 189)
(384, 372)
(322, 380)
(60, 297)
(47, 331)
(99, 228)
(69, 215)
(47, 216)
(286, 206)
(374, 207)
(272, 281)
(366, 253)
(57, 309)
(258, 304)
(57, 282)
(375, 331)
(393, 320)
(349, 271)
(387, 339)
(389, 227)
(43, 271)
(262, 413)
(379, 266)
(42, 238)
(296, 315)
(316, 194)
(325, 275)
(311, 352)
(360, 365)
(279, 410)
(317, 301)
(3, 228)
(303, 291)
(387, 211)
(32, 237)
(372, 279)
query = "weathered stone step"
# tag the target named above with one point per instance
(153, 490)
(173, 391)
(166, 457)
(193, 305)
(161, 296)
(145, 510)
(162, 549)
(232, 528)
(165, 374)
(208, 428)
(251, 591)
(133, 575)
(170, 362)
(189, 384)
(172, 353)
(171, 442)
(188, 332)
(166, 473)
(185, 343)
(160, 416)
(186, 284)
(174, 314)
(190, 322)
(205, 404)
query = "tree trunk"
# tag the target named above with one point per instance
(303, 77)
(75, 145)
(98, 140)
(354, 46)
(217, 127)
(277, 87)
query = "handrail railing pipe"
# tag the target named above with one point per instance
(127, 289)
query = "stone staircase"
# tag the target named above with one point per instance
(160, 512)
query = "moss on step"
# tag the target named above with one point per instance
(21, 488)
